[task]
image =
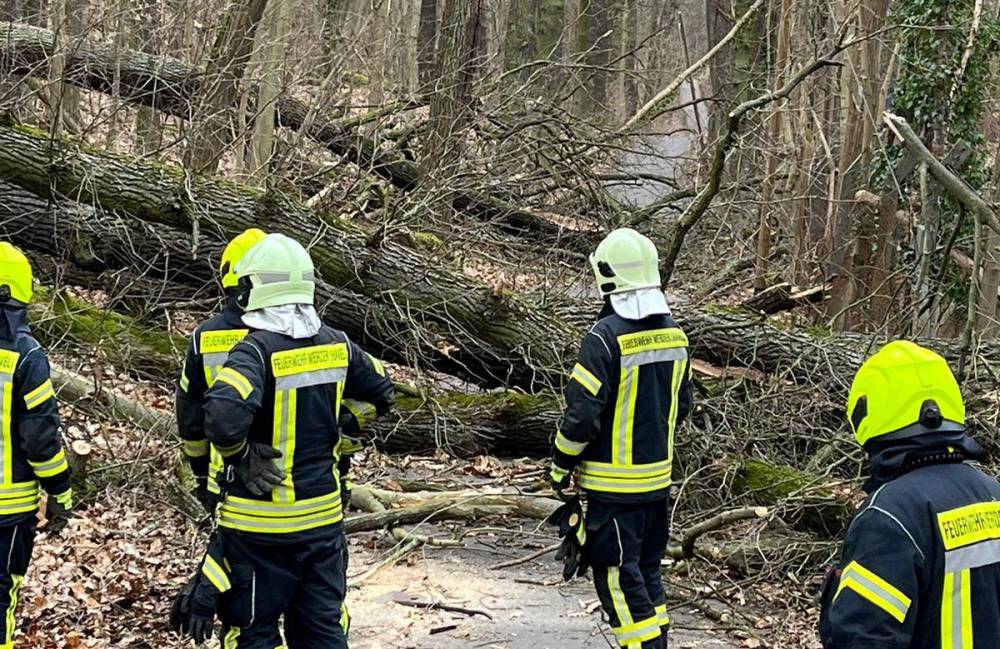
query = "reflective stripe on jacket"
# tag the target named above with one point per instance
(921, 565)
(626, 396)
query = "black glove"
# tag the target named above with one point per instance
(200, 628)
(181, 607)
(208, 500)
(257, 470)
(572, 553)
(58, 511)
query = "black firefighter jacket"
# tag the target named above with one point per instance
(290, 393)
(921, 562)
(627, 394)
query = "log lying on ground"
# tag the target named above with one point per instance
(99, 241)
(173, 87)
(515, 336)
(785, 297)
(815, 506)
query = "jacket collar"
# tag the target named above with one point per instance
(889, 460)
(231, 310)
(13, 321)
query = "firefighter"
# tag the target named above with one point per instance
(627, 394)
(206, 354)
(32, 453)
(920, 567)
(275, 412)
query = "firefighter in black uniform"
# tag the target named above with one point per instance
(206, 354)
(920, 568)
(625, 399)
(31, 446)
(273, 413)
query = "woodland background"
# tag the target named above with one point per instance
(819, 177)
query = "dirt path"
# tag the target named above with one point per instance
(531, 607)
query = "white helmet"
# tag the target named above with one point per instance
(625, 261)
(276, 271)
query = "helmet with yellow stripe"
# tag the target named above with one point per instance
(15, 274)
(902, 391)
(234, 252)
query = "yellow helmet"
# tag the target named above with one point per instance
(234, 252)
(15, 272)
(902, 391)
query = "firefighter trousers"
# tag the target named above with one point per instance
(16, 543)
(303, 582)
(625, 544)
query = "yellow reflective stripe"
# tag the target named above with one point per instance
(231, 639)
(966, 608)
(215, 467)
(215, 574)
(220, 341)
(196, 448)
(283, 439)
(662, 616)
(362, 410)
(268, 517)
(873, 588)
(39, 395)
(557, 473)
(618, 598)
(345, 619)
(956, 611)
(238, 382)
(624, 421)
(15, 589)
(184, 383)
(680, 368)
(8, 444)
(19, 497)
(228, 451)
(651, 340)
(567, 446)
(309, 359)
(624, 486)
(377, 366)
(970, 524)
(584, 377)
(53, 466)
(636, 633)
(634, 472)
(948, 612)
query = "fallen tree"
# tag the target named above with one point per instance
(174, 87)
(517, 339)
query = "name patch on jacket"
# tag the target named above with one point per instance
(221, 341)
(645, 341)
(8, 361)
(971, 524)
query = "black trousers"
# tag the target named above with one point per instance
(625, 544)
(304, 582)
(16, 543)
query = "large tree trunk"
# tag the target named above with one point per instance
(522, 341)
(172, 86)
(98, 244)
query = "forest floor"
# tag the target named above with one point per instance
(108, 580)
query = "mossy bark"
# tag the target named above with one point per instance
(810, 505)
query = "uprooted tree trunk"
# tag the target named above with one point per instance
(173, 87)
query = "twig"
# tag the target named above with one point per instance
(530, 557)
(471, 612)
(686, 548)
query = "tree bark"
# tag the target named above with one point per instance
(427, 42)
(458, 61)
(272, 72)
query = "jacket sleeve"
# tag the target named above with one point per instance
(872, 602)
(190, 394)
(368, 391)
(234, 399)
(587, 393)
(685, 396)
(38, 422)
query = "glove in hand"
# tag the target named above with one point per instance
(257, 470)
(572, 553)
(59, 511)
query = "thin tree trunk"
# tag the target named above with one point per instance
(148, 123)
(64, 100)
(270, 86)
(427, 43)
(211, 130)
(459, 54)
